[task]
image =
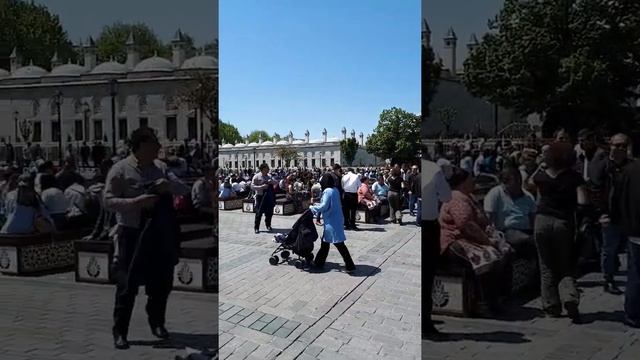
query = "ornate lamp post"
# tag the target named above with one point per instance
(86, 110)
(15, 124)
(113, 91)
(58, 101)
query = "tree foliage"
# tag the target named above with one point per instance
(36, 33)
(447, 116)
(430, 74)
(396, 136)
(287, 154)
(202, 93)
(577, 62)
(257, 135)
(349, 148)
(229, 134)
(111, 42)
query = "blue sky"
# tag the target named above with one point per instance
(86, 18)
(465, 16)
(296, 65)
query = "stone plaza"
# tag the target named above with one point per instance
(280, 312)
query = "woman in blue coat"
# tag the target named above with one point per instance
(331, 210)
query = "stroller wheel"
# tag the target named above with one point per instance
(285, 254)
(274, 260)
(298, 264)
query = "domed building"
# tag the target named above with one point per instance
(312, 153)
(145, 93)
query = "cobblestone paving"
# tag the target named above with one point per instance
(525, 334)
(52, 317)
(374, 314)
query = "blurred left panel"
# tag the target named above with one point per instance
(108, 151)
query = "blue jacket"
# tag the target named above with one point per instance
(331, 210)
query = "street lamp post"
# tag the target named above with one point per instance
(86, 111)
(58, 101)
(15, 124)
(113, 91)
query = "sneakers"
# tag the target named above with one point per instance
(611, 288)
(572, 312)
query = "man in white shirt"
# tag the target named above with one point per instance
(350, 184)
(435, 190)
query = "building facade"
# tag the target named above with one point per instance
(312, 153)
(88, 97)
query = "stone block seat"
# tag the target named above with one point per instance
(94, 258)
(232, 204)
(248, 205)
(455, 290)
(197, 269)
(38, 254)
(364, 215)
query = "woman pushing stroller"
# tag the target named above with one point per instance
(331, 210)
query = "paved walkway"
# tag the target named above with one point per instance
(52, 317)
(280, 312)
(525, 334)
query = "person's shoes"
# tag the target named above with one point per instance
(631, 323)
(160, 332)
(269, 229)
(429, 332)
(554, 314)
(256, 231)
(355, 228)
(400, 222)
(120, 341)
(611, 288)
(351, 271)
(572, 312)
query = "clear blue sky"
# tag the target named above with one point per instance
(85, 18)
(465, 16)
(296, 65)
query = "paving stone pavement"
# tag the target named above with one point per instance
(374, 314)
(52, 317)
(525, 334)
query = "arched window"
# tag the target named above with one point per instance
(170, 103)
(142, 103)
(97, 105)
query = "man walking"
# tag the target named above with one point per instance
(435, 190)
(263, 185)
(413, 180)
(140, 192)
(350, 184)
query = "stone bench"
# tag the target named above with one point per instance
(285, 206)
(94, 258)
(233, 204)
(364, 215)
(36, 254)
(197, 269)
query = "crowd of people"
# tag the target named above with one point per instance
(565, 203)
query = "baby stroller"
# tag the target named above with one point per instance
(299, 240)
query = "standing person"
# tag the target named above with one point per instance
(262, 183)
(140, 192)
(9, 154)
(413, 180)
(85, 151)
(629, 208)
(395, 195)
(435, 190)
(561, 190)
(350, 184)
(605, 176)
(329, 208)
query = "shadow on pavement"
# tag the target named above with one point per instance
(378, 229)
(520, 314)
(361, 270)
(611, 316)
(596, 283)
(506, 337)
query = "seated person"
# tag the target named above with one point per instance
(68, 175)
(202, 193)
(226, 192)
(316, 191)
(366, 197)
(44, 167)
(54, 201)
(25, 212)
(381, 190)
(176, 164)
(78, 199)
(465, 235)
(512, 210)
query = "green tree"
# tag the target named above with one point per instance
(229, 133)
(349, 148)
(447, 116)
(396, 136)
(256, 135)
(575, 62)
(430, 74)
(287, 154)
(34, 31)
(201, 92)
(111, 42)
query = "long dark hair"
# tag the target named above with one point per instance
(327, 181)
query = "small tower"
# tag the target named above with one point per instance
(344, 133)
(426, 34)
(90, 57)
(290, 137)
(178, 47)
(473, 43)
(306, 136)
(133, 57)
(324, 135)
(361, 139)
(55, 61)
(353, 134)
(15, 60)
(450, 46)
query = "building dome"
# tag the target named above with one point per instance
(110, 67)
(315, 141)
(200, 62)
(267, 143)
(253, 144)
(282, 142)
(298, 142)
(333, 140)
(30, 71)
(154, 63)
(4, 73)
(227, 146)
(68, 70)
(241, 145)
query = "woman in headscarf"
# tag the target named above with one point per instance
(25, 211)
(331, 210)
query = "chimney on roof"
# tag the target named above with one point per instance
(90, 57)
(178, 46)
(15, 60)
(55, 61)
(133, 57)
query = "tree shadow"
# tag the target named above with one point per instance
(506, 337)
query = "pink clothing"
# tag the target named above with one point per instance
(462, 219)
(365, 192)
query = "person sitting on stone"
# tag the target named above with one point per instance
(202, 193)
(54, 201)
(381, 190)
(44, 167)
(25, 212)
(68, 175)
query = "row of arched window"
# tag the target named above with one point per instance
(96, 105)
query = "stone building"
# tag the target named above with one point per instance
(144, 93)
(311, 152)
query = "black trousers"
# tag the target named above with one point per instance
(158, 286)
(321, 256)
(266, 210)
(430, 257)
(350, 207)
